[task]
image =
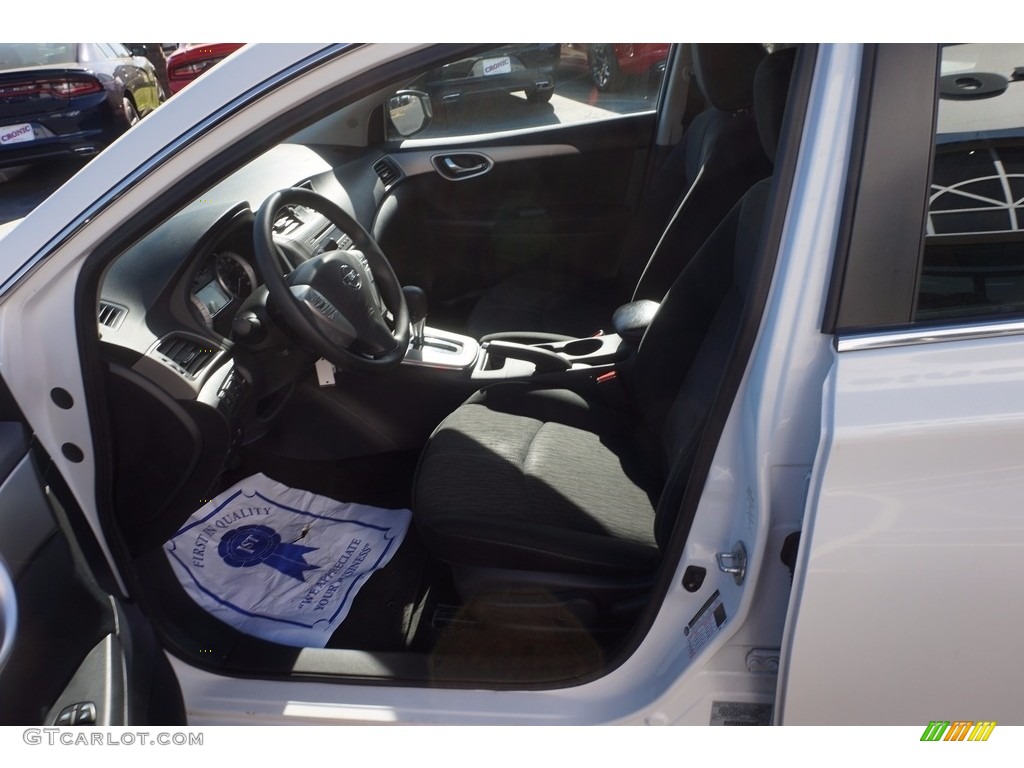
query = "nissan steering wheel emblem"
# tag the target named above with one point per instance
(350, 277)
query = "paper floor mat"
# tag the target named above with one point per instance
(282, 564)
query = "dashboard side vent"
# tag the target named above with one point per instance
(387, 171)
(188, 355)
(111, 315)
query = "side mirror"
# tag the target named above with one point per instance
(136, 49)
(409, 112)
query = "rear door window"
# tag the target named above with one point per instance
(973, 262)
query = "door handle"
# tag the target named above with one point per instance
(462, 165)
(459, 170)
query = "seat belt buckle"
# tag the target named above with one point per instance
(608, 376)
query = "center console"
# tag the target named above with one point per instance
(516, 357)
(523, 354)
(506, 359)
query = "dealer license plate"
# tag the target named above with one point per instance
(500, 66)
(15, 134)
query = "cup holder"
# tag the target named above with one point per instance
(581, 347)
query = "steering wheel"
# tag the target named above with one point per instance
(336, 302)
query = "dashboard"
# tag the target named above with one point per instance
(167, 303)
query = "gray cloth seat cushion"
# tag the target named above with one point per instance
(522, 477)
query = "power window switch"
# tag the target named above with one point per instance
(83, 713)
(86, 714)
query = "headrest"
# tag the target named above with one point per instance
(725, 73)
(771, 88)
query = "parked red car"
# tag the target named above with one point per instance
(611, 63)
(192, 59)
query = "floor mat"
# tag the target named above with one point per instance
(282, 564)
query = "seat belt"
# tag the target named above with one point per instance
(664, 233)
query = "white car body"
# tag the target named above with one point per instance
(897, 459)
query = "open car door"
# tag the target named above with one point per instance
(72, 652)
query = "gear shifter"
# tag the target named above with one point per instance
(416, 300)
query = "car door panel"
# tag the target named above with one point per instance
(912, 515)
(555, 199)
(75, 648)
(44, 655)
(906, 590)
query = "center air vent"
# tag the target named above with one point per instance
(189, 356)
(287, 221)
(387, 171)
(111, 315)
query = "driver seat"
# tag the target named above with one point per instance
(576, 490)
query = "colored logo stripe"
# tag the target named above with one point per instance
(982, 731)
(958, 730)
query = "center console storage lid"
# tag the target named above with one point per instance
(630, 321)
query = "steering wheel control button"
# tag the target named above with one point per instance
(316, 300)
(332, 323)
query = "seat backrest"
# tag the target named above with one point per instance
(684, 354)
(716, 161)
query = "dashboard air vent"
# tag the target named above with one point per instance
(387, 171)
(189, 355)
(111, 315)
(287, 221)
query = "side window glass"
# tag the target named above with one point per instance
(973, 263)
(526, 85)
(89, 52)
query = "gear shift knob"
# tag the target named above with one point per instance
(416, 300)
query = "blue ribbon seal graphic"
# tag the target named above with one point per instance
(254, 544)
